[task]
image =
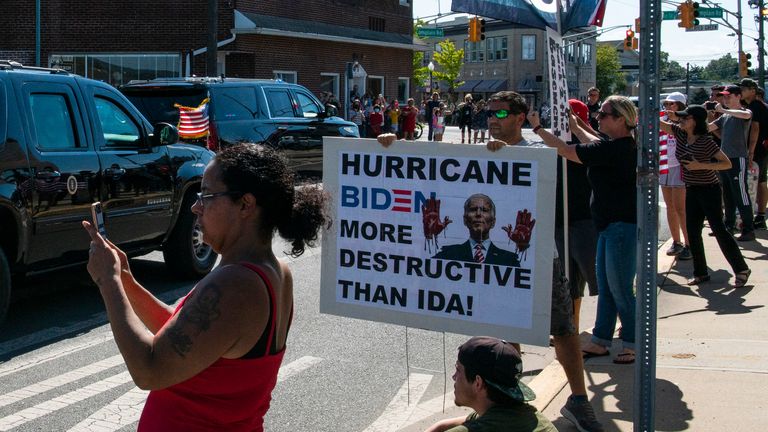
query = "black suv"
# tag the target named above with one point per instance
(286, 116)
(66, 142)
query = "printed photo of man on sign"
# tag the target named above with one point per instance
(479, 218)
(440, 236)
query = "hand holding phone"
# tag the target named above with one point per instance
(97, 214)
(710, 105)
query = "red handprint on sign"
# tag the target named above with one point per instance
(430, 217)
(521, 234)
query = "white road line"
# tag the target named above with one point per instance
(126, 409)
(432, 407)
(121, 412)
(59, 380)
(296, 366)
(399, 411)
(66, 348)
(28, 414)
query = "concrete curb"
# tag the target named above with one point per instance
(552, 380)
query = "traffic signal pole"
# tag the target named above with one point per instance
(760, 43)
(647, 215)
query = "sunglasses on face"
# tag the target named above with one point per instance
(500, 114)
(603, 114)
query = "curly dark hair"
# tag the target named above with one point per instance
(296, 212)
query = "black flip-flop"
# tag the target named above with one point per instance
(588, 355)
(625, 358)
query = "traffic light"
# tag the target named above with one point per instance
(689, 11)
(744, 63)
(628, 40)
(481, 28)
(474, 36)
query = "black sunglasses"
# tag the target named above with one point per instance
(603, 114)
(499, 114)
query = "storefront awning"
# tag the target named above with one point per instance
(251, 23)
(490, 86)
(468, 86)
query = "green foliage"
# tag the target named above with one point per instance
(725, 68)
(449, 59)
(670, 70)
(610, 79)
(420, 72)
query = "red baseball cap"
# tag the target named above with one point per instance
(580, 109)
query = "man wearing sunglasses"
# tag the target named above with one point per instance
(506, 115)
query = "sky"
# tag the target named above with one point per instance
(696, 48)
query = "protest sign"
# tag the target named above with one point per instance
(558, 86)
(401, 247)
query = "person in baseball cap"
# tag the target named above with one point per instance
(748, 83)
(487, 379)
(731, 90)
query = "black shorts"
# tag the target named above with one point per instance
(762, 165)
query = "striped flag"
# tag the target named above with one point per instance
(193, 122)
(664, 147)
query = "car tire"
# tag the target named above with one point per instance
(5, 286)
(185, 253)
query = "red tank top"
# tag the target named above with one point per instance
(230, 395)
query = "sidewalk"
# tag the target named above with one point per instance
(712, 354)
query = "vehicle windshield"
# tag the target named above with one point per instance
(159, 105)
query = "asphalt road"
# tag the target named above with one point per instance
(60, 369)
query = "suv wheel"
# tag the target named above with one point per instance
(5, 286)
(185, 253)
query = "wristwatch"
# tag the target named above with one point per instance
(536, 129)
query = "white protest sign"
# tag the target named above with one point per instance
(558, 86)
(401, 250)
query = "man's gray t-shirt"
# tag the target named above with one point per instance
(733, 135)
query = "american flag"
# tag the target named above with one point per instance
(663, 139)
(193, 122)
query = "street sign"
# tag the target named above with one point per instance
(669, 15)
(704, 27)
(428, 32)
(710, 12)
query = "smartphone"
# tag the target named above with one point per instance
(710, 105)
(97, 214)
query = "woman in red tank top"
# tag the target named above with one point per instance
(211, 363)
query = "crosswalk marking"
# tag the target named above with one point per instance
(59, 380)
(127, 409)
(399, 411)
(121, 412)
(28, 414)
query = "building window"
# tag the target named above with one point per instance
(570, 50)
(329, 82)
(376, 24)
(403, 88)
(528, 51)
(476, 51)
(117, 69)
(497, 48)
(586, 54)
(374, 85)
(285, 76)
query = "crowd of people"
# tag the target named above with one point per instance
(211, 362)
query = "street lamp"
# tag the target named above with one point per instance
(431, 67)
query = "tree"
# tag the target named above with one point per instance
(610, 79)
(450, 61)
(670, 70)
(725, 68)
(420, 72)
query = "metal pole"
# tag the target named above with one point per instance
(760, 42)
(687, 78)
(647, 217)
(212, 54)
(738, 21)
(37, 33)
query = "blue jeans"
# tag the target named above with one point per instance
(616, 268)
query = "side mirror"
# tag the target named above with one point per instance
(164, 134)
(330, 111)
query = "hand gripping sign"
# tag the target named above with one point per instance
(461, 277)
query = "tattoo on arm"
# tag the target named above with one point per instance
(201, 310)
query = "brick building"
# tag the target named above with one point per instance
(325, 45)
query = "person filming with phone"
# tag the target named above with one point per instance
(211, 362)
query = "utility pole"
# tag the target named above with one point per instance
(687, 78)
(738, 32)
(211, 54)
(760, 42)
